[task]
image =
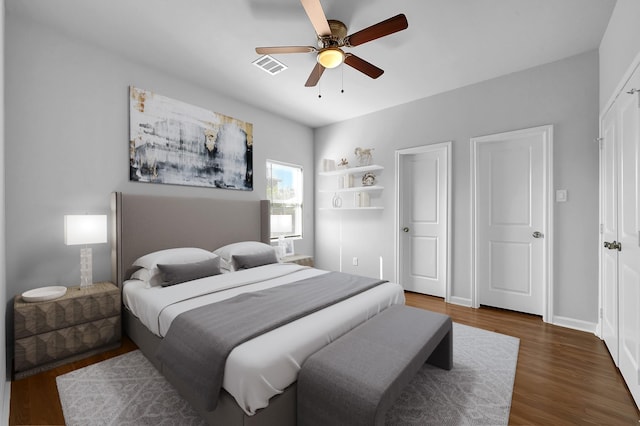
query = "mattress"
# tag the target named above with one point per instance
(265, 366)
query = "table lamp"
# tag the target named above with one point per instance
(83, 230)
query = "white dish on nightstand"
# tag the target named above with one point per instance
(44, 293)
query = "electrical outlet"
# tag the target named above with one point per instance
(561, 195)
(355, 261)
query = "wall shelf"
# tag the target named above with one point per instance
(351, 170)
(353, 189)
(356, 190)
(351, 208)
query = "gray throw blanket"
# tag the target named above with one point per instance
(199, 341)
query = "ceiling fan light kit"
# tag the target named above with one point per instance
(330, 57)
(332, 36)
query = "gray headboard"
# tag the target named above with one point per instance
(142, 224)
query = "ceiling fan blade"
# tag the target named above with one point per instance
(381, 29)
(315, 75)
(285, 49)
(363, 66)
(317, 17)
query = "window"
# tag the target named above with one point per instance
(284, 190)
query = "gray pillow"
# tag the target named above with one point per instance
(180, 273)
(247, 261)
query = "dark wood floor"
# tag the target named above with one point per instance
(35, 400)
(563, 376)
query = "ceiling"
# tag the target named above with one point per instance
(449, 44)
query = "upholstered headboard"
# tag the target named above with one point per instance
(142, 224)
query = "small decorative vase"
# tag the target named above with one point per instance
(336, 201)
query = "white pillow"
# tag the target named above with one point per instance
(150, 278)
(242, 248)
(150, 273)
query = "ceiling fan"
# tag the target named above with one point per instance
(332, 37)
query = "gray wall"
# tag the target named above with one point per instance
(4, 383)
(564, 94)
(67, 148)
(619, 47)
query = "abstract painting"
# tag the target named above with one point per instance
(172, 142)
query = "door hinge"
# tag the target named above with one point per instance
(633, 92)
(600, 313)
(602, 228)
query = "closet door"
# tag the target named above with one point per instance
(620, 250)
(629, 235)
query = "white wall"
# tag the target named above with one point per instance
(563, 93)
(619, 47)
(67, 147)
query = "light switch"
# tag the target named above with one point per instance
(561, 195)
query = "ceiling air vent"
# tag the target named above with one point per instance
(269, 65)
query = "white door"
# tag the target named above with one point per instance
(510, 227)
(629, 236)
(423, 218)
(609, 220)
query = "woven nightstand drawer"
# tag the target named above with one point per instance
(56, 345)
(300, 259)
(77, 306)
(83, 322)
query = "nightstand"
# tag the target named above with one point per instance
(83, 322)
(300, 259)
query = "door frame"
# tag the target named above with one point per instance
(547, 199)
(399, 154)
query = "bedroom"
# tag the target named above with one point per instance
(69, 109)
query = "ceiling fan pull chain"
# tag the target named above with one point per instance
(342, 82)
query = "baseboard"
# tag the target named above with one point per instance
(6, 403)
(590, 327)
(580, 325)
(460, 301)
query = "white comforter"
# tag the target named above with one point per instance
(264, 366)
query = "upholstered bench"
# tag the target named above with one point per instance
(357, 378)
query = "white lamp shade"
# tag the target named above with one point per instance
(85, 229)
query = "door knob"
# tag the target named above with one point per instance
(613, 245)
(405, 229)
(538, 234)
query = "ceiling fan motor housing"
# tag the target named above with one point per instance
(338, 34)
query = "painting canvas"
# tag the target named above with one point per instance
(172, 142)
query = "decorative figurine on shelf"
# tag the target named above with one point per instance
(343, 164)
(368, 179)
(364, 156)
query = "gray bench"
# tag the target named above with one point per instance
(357, 378)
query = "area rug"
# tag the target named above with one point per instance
(128, 390)
(476, 391)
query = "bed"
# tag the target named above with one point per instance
(259, 376)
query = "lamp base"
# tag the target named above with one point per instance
(86, 267)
